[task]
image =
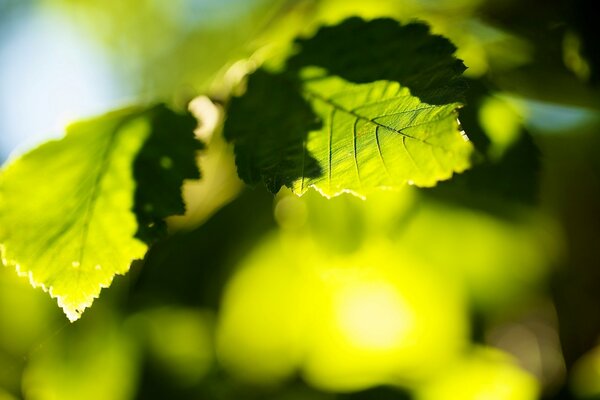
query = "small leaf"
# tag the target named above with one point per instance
(67, 216)
(361, 106)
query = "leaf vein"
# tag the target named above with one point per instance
(380, 152)
(331, 116)
(91, 205)
(354, 137)
(336, 106)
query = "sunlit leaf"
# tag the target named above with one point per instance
(361, 106)
(347, 322)
(67, 217)
(484, 373)
(377, 135)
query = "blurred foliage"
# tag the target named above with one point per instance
(109, 374)
(585, 380)
(347, 321)
(486, 285)
(484, 374)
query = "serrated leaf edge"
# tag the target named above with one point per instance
(73, 314)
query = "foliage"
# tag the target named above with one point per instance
(346, 108)
(447, 248)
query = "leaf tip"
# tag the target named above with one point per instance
(73, 312)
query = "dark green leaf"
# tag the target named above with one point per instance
(365, 51)
(167, 158)
(269, 125)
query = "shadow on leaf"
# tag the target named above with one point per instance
(269, 126)
(383, 49)
(167, 158)
(357, 119)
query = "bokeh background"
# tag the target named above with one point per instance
(485, 287)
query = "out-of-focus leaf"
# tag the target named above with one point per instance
(349, 322)
(25, 315)
(67, 217)
(94, 360)
(498, 186)
(585, 378)
(384, 112)
(485, 373)
(179, 342)
(500, 261)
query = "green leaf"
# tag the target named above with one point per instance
(67, 216)
(361, 106)
(377, 135)
(95, 360)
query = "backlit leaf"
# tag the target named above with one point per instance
(67, 217)
(377, 135)
(361, 106)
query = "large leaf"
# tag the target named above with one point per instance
(361, 106)
(67, 215)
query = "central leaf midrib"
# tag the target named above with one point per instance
(101, 172)
(316, 95)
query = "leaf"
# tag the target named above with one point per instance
(95, 360)
(67, 216)
(377, 135)
(384, 100)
